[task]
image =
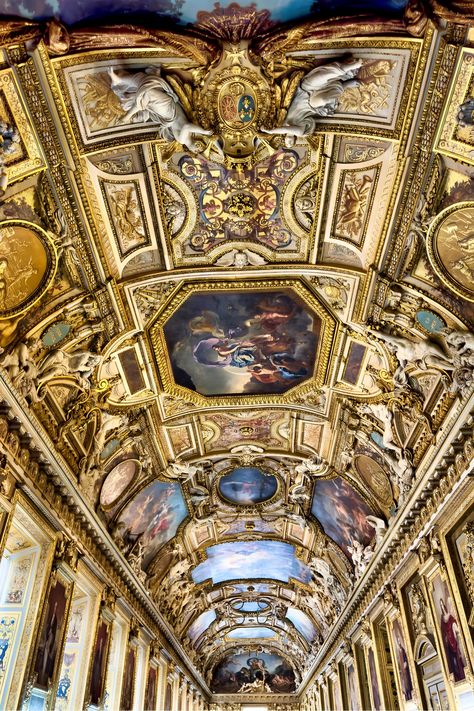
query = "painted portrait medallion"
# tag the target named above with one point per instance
(430, 321)
(55, 334)
(27, 266)
(231, 343)
(117, 481)
(450, 243)
(247, 486)
(374, 476)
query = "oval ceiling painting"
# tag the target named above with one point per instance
(117, 481)
(247, 486)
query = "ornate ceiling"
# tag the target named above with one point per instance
(227, 298)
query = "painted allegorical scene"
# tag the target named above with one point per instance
(152, 517)
(244, 673)
(247, 486)
(231, 343)
(342, 513)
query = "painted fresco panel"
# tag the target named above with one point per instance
(201, 624)
(302, 623)
(192, 10)
(155, 512)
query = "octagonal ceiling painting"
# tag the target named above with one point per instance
(242, 342)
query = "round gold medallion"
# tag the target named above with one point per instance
(28, 264)
(450, 245)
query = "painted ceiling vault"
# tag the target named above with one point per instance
(236, 291)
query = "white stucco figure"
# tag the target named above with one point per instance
(146, 96)
(386, 416)
(59, 363)
(318, 96)
(423, 353)
(360, 555)
(379, 525)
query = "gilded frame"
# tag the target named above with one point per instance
(441, 573)
(55, 578)
(33, 160)
(329, 336)
(105, 660)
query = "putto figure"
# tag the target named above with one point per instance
(146, 96)
(318, 95)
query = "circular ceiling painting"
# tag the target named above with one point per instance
(117, 481)
(247, 486)
(27, 265)
(449, 243)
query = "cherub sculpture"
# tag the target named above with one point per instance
(318, 96)
(146, 96)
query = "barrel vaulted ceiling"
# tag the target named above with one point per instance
(209, 318)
